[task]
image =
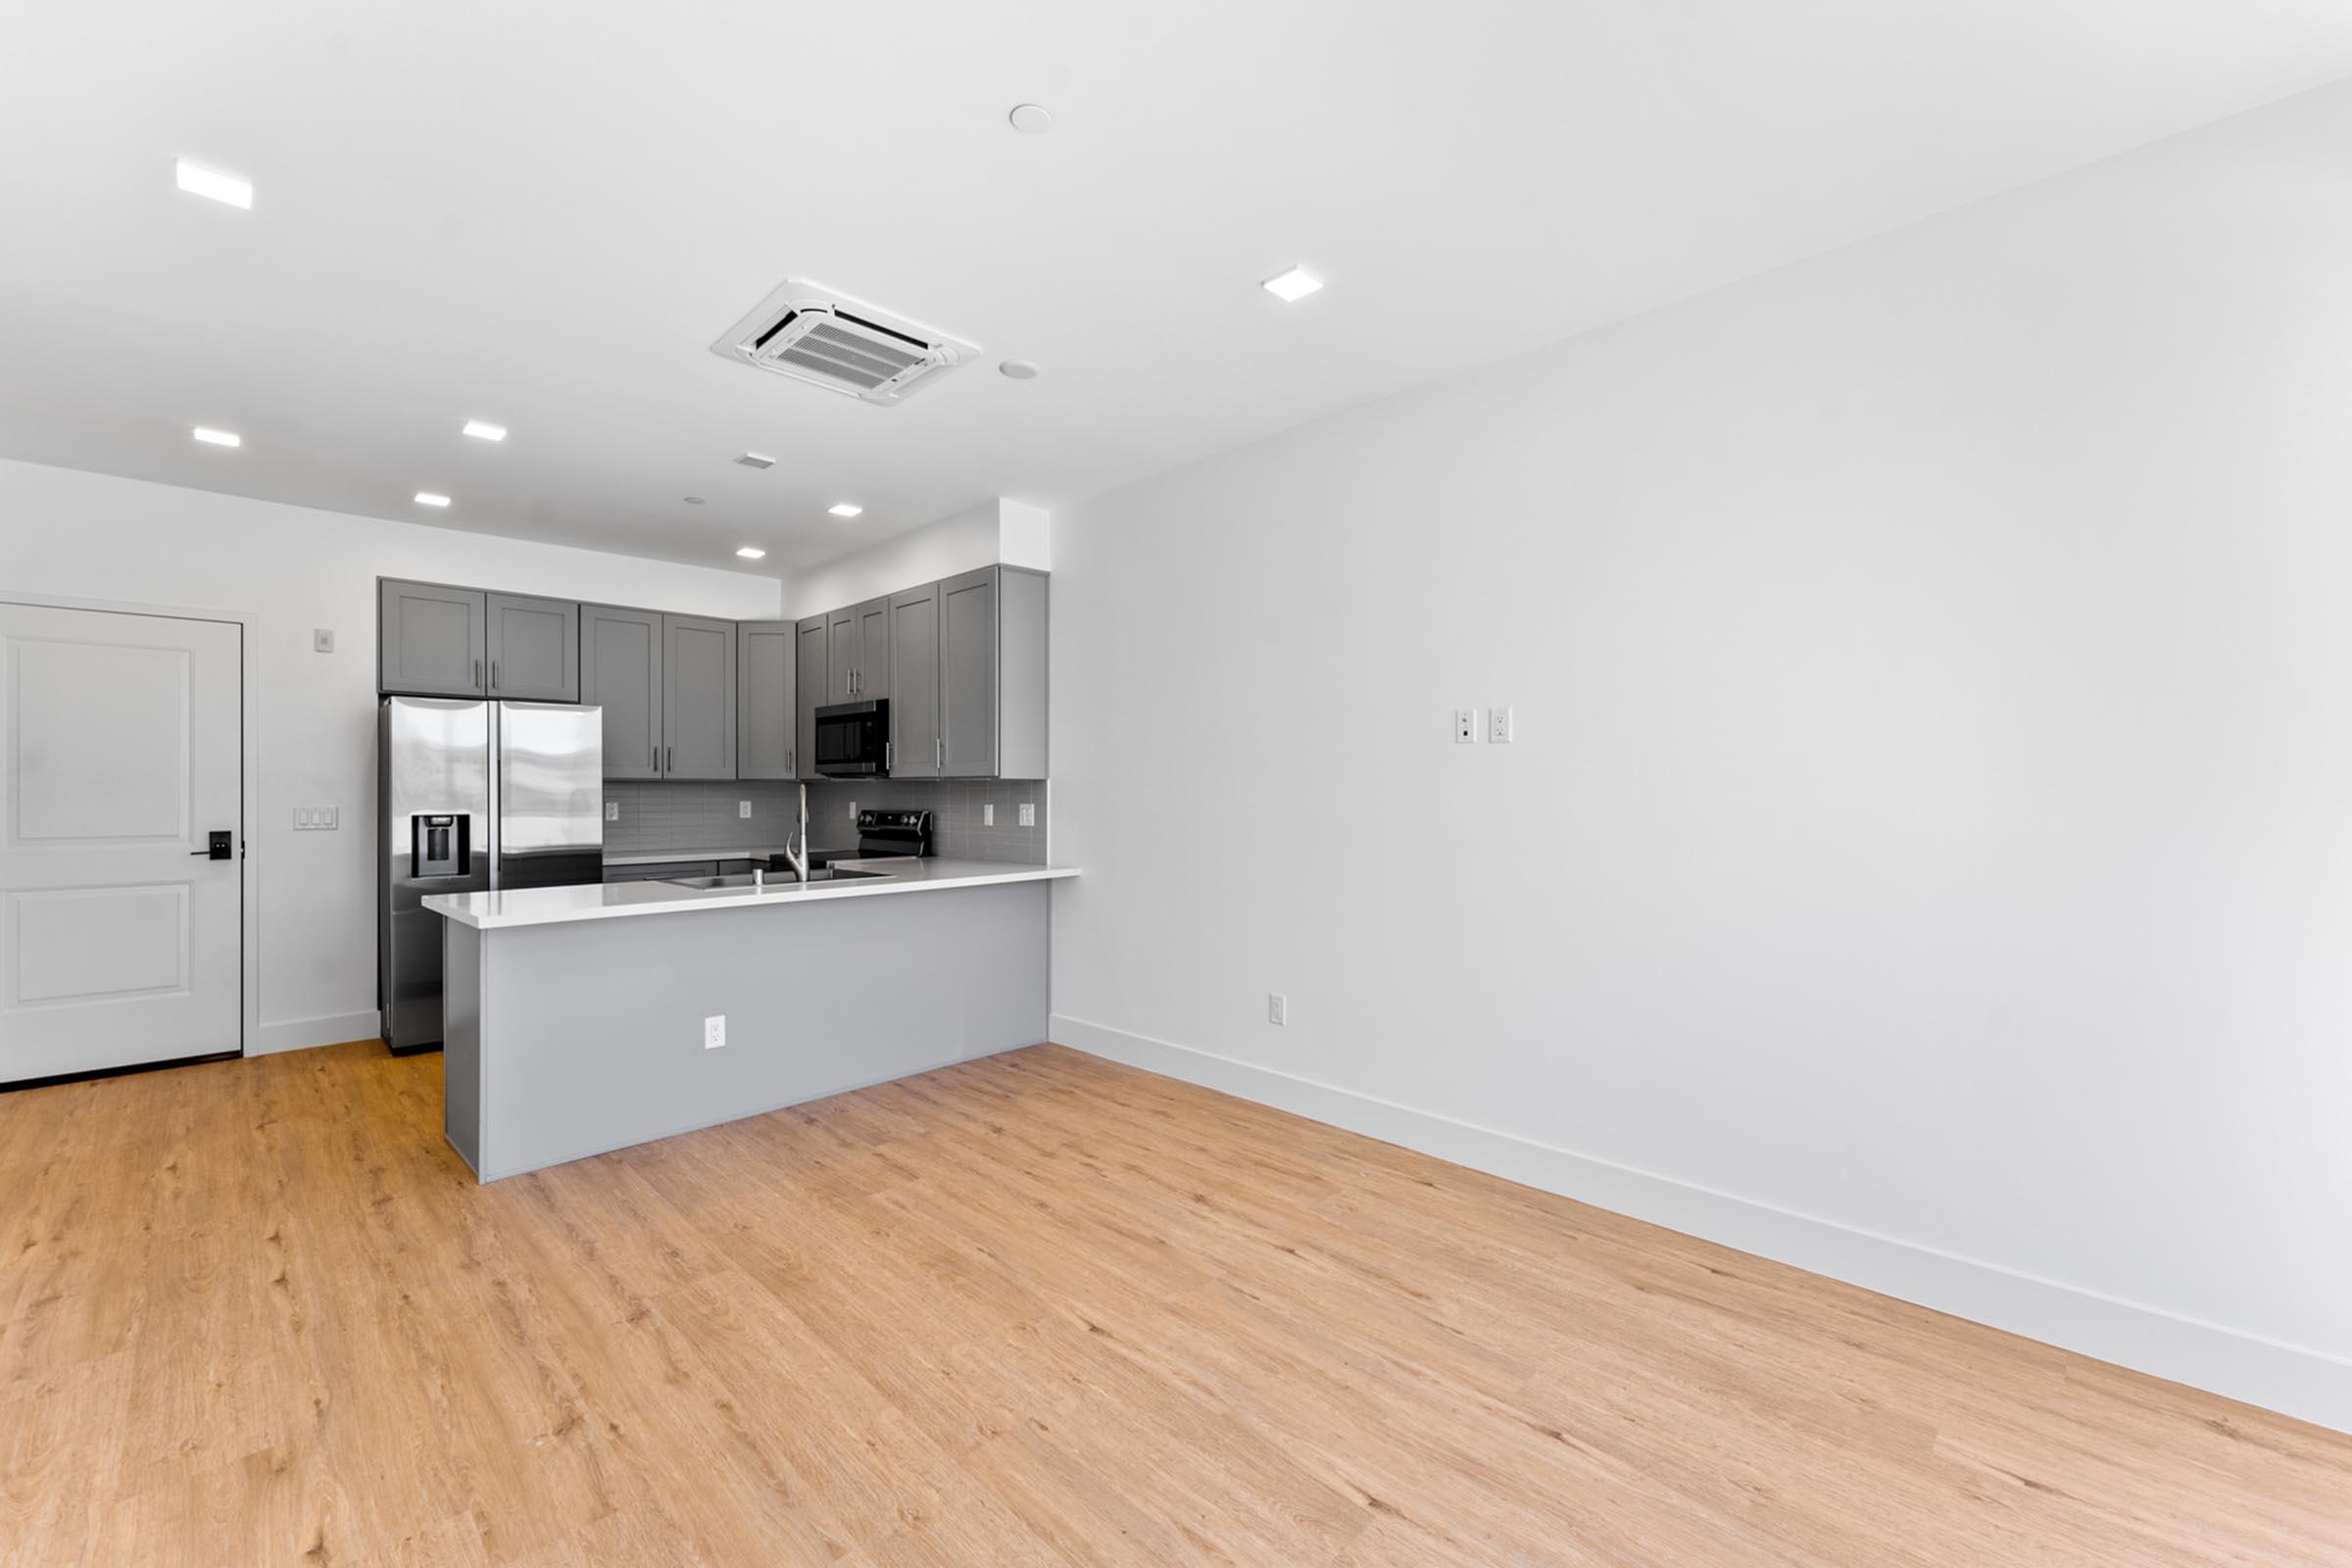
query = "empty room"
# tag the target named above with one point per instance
(1405, 785)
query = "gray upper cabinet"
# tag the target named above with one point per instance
(432, 641)
(809, 677)
(534, 649)
(874, 649)
(767, 700)
(841, 627)
(698, 698)
(915, 683)
(992, 688)
(621, 672)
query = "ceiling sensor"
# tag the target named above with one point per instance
(816, 334)
(1031, 119)
(693, 501)
(754, 460)
(1018, 369)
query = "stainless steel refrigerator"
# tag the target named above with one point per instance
(473, 796)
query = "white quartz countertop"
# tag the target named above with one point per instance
(490, 911)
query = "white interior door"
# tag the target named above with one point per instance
(121, 751)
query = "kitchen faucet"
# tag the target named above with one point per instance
(796, 850)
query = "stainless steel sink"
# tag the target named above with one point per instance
(775, 879)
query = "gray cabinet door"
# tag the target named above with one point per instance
(809, 675)
(967, 687)
(915, 683)
(620, 659)
(534, 649)
(874, 649)
(698, 698)
(841, 627)
(767, 700)
(432, 641)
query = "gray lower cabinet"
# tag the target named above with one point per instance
(431, 640)
(767, 700)
(698, 698)
(809, 677)
(534, 649)
(914, 746)
(992, 663)
(620, 659)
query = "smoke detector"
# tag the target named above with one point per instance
(824, 337)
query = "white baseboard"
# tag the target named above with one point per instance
(300, 1034)
(2295, 1380)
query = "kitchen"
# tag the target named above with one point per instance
(504, 719)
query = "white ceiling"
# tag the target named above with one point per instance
(542, 215)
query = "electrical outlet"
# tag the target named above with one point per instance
(715, 1032)
(1028, 814)
(1465, 726)
(1498, 725)
(988, 814)
(743, 809)
(323, 641)
(1278, 1008)
(853, 814)
(611, 811)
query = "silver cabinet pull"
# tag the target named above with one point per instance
(477, 674)
(939, 752)
(494, 674)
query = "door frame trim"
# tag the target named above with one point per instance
(249, 754)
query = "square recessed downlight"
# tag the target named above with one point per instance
(220, 187)
(752, 553)
(756, 459)
(1292, 285)
(483, 430)
(216, 438)
(844, 508)
(426, 498)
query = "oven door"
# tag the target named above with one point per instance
(853, 740)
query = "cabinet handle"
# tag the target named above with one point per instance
(477, 674)
(939, 752)
(494, 674)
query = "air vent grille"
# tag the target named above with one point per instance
(814, 334)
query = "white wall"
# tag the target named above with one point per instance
(999, 530)
(91, 536)
(1926, 855)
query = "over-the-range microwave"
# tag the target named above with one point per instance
(853, 740)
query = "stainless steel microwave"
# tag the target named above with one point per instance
(853, 740)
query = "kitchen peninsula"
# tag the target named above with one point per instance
(584, 1019)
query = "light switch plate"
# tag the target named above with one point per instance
(611, 811)
(1498, 725)
(1465, 726)
(988, 814)
(323, 641)
(316, 818)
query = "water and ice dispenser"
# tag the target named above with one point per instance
(438, 844)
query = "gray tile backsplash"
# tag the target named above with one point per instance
(660, 815)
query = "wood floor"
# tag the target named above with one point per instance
(1035, 1309)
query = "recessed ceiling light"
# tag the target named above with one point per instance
(1292, 285)
(217, 438)
(844, 508)
(751, 553)
(1018, 369)
(1031, 119)
(483, 430)
(425, 497)
(220, 187)
(692, 501)
(756, 459)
